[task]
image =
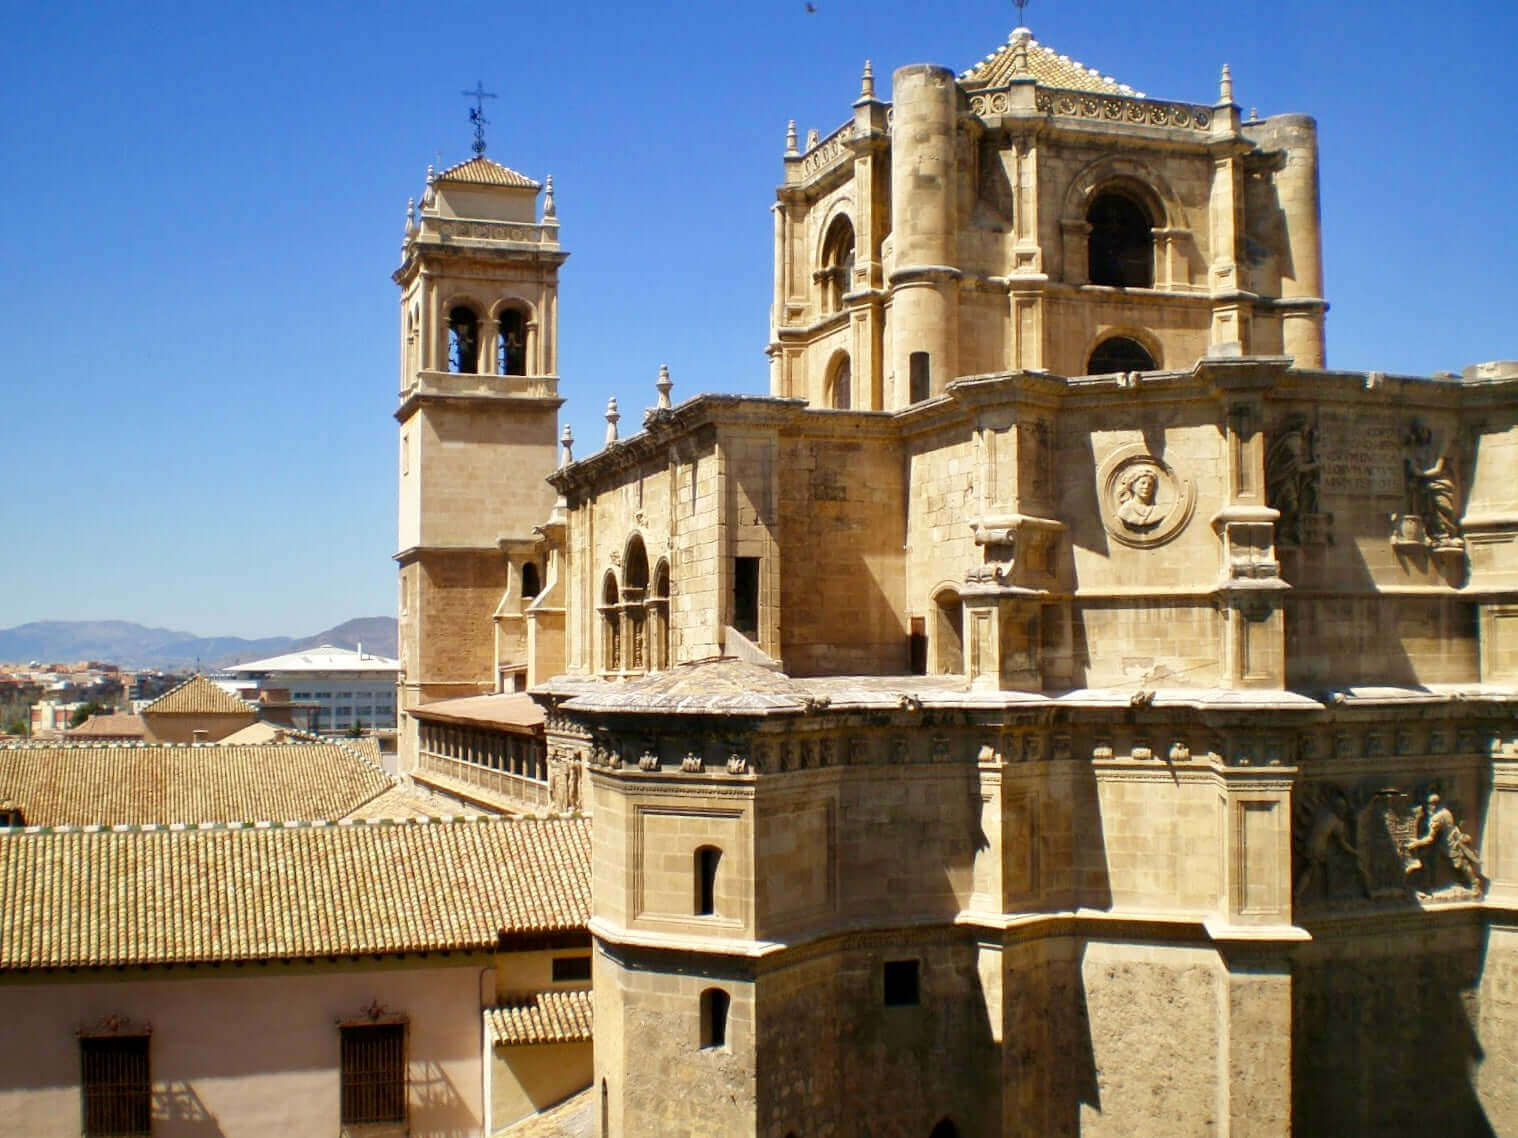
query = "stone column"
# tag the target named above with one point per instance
(924, 181)
(490, 350)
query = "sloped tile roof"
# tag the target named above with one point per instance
(101, 784)
(93, 897)
(198, 696)
(515, 710)
(546, 1017)
(482, 171)
(1047, 66)
(109, 725)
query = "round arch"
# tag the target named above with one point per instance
(1120, 356)
(838, 384)
(947, 642)
(635, 563)
(1130, 176)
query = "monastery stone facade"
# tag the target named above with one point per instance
(1063, 705)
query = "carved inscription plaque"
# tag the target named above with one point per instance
(1361, 455)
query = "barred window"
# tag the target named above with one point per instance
(118, 1092)
(374, 1073)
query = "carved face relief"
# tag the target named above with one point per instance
(1143, 501)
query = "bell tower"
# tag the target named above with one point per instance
(478, 413)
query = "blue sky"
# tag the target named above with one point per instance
(207, 202)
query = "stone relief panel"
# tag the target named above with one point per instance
(1379, 842)
(1143, 501)
(1430, 514)
(1292, 476)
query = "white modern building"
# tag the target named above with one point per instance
(348, 687)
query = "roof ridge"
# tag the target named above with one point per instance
(254, 824)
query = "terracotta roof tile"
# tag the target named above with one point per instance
(482, 171)
(97, 897)
(102, 784)
(109, 725)
(198, 696)
(1047, 66)
(546, 1017)
(512, 710)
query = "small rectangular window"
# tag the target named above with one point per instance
(374, 1073)
(118, 1090)
(901, 983)
(570, 968)
(921, 379)
(746, 596)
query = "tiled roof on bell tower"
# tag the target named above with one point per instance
(482, 171)
(1023, 56)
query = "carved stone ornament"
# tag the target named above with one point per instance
(692, 763)
(1292, 475)
(1430, 508)
(648, 761)
(114, 1024)
(1143, 501)
(737, 764)
(1380, 843)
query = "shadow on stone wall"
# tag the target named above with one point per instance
(1384, 1038)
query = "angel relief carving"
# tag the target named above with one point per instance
(1380, 843)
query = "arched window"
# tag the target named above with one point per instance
(634, 594)
(1121, 246)
(658, 618)
(511, 345)
(839, 394)
(837, 263)
(949, 654)
(611, 625)
(945, 1129)
(707, 859)
(530, 585)
(714, 1005)
(1119, 353)
(463, 339)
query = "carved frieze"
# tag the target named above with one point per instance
(1113, 108)
(1380, 842)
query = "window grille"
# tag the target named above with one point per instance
(374, 1073)
(118, 1091)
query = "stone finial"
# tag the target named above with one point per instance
(550, 210)
(790, 137)
(1020, 38)
(431, 191)
(1254, 114)
(664, 384)
(612, 416)
(811, 139)
(566, 447)
(867, 82)
(410, 216)
(1225, 86)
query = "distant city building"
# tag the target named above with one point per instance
(51, 715)
(348, 687)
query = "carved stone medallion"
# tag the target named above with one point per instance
(1143, 501)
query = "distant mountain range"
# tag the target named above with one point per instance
(135, 646)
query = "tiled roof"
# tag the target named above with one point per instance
(575, 1117)
(407, 800)
(198, 696)
(92, 897)
(547, 1017)
(482, 171)
(101, 784)
(704, 687)
(515, 710)
(1050, 68)
(109, 725)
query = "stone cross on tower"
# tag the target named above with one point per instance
(1022, 14)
